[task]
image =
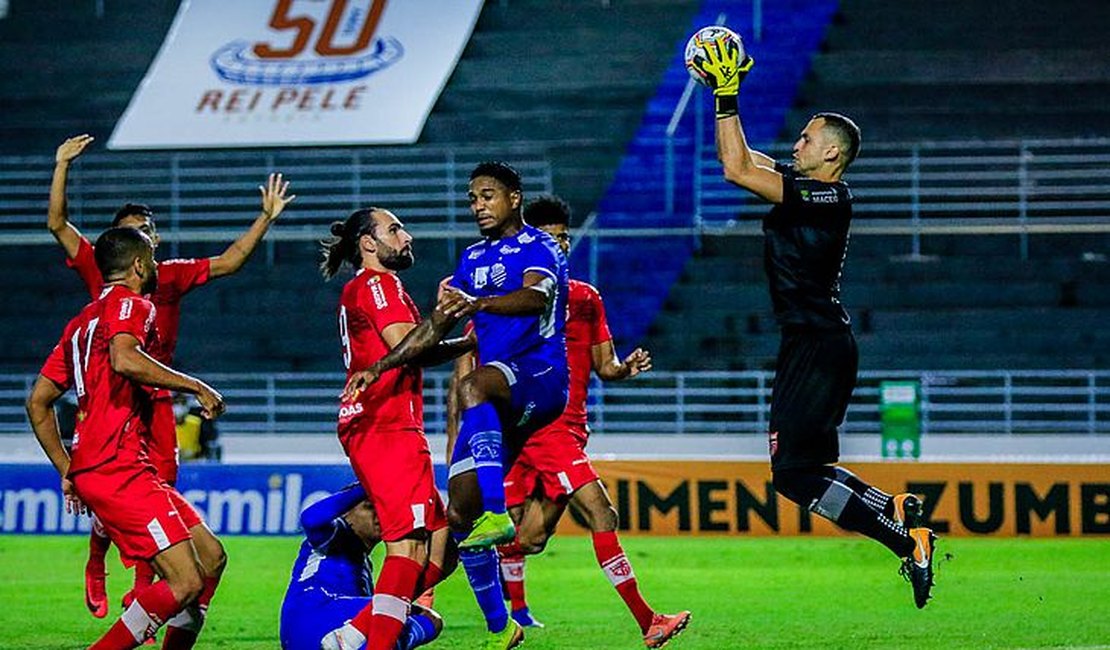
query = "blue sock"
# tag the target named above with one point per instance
(418, 631)
(481, 427)
(483, 571)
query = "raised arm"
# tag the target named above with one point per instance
(57, 214)
(318, 519)
(130, 360)
(273, 203)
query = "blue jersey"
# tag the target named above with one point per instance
(496, 267)
(339, 567)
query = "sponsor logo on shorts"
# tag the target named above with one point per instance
(350, 411)
(773, 442)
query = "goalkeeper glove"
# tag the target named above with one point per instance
(725, 73)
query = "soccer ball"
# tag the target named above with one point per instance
(695, 48)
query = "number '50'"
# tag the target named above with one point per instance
(305, 26)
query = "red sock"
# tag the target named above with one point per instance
(151, 608)
(98, 548)
(383, 622)
(182, 630)
(613, 562)
(512, 573)
(431, 577)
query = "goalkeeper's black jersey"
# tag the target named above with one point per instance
(805, 243)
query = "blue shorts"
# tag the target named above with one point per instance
(538, 396)
(538, 393)
(308, 615)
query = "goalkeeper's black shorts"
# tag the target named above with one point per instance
(814, 378)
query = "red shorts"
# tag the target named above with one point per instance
(553, 465)
(395, 469)
(162, 448)
(142, 515)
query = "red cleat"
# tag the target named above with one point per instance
(665, 627)
(426, 599)
(96, 595)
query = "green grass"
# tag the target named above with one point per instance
(756, 593)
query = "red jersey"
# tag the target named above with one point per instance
(371, 302)
(175, 279)
(112, 411)
(586, 327)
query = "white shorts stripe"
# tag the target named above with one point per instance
(510, 376)
(159, 535)
(391, 606)
(565, 482)
(418, 515)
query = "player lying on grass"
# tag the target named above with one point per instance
(332, 580)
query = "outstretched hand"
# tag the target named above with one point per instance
(456, 304)
(211, 402)
(273, 196)
(72, 148)
(638, 361)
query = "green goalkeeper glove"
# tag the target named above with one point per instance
(725, 73)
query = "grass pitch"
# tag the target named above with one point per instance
(744, 593)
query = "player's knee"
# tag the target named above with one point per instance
(470, 392)
(603, 519)
(786, 484)
(532, 543)
(186, 584)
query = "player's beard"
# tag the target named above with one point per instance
(395, 260)
(150, 280)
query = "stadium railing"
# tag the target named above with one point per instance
(203, 195)
(987, 402)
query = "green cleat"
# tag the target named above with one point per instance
(490, 529)
(510, 637)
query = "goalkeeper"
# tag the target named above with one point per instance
(805, 245)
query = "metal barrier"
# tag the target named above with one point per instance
(197, 192)
(995, 402)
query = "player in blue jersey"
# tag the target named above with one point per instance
(331, 580)
(513, 286)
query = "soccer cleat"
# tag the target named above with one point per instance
(510, 637)
(907, 510)
(918, 568)
(343, 638)
(96, 594)
(426, 599)
(490, 529)
(525, 618)
(665, 627)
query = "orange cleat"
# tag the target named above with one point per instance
(665, 627)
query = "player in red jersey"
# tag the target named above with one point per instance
(103, 356)
(175, 279)
(382, 427)
(553, 468)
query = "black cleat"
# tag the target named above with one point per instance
(918, 568)
(908, 511)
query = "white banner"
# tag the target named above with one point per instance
(296, 72)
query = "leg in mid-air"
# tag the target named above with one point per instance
(481, 435)
(894, 521)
